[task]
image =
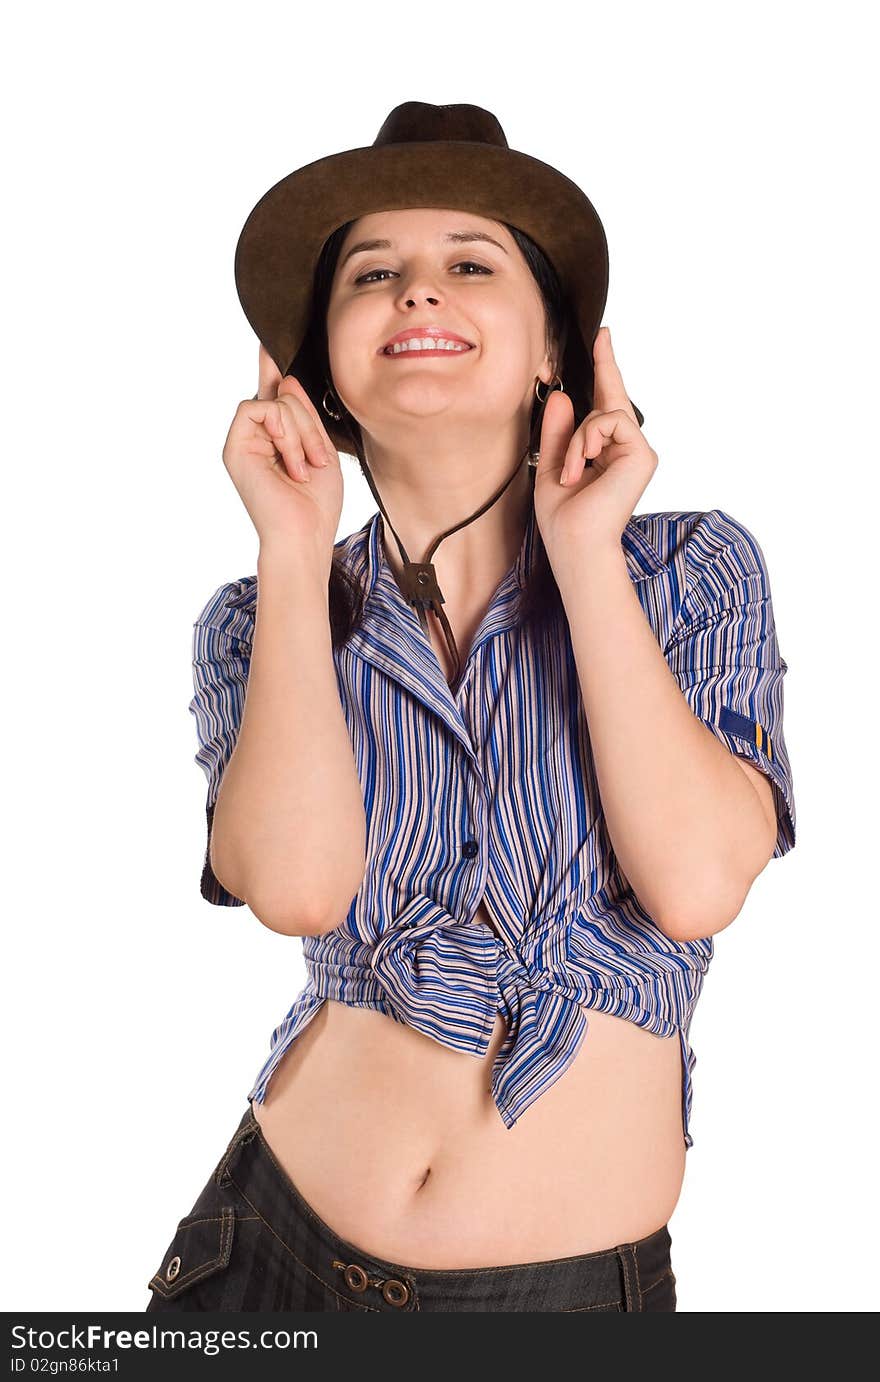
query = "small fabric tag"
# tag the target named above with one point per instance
(744, 728)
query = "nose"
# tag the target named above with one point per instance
(420, 287)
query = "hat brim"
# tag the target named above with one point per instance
(281, 239)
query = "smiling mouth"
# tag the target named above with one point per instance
(423, 349)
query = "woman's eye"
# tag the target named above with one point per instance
(463, 264)
(365, 278)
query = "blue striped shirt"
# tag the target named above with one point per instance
(489, 793)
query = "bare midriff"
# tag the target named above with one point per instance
(396, 1142)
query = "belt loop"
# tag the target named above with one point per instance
(632, 1287)
(247, 1128)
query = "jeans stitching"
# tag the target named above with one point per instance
(467, 1273)
(186, 1222)
(603, 1305)
(289, 1249)
(626, 1257)
(635, 1248)
(470, 1273)
(196, 1273)
(240, 1136)
(662, 1277)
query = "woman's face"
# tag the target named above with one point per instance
(436, 270)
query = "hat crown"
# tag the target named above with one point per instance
(416, 121)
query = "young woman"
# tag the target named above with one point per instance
(506, 794)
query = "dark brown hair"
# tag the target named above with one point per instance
(311, 366)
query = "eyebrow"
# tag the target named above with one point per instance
(457, 236)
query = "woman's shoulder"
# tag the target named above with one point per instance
(695, 538)
(670, 529)
(226, 602)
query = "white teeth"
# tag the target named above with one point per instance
(426, 343)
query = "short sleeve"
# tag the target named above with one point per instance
(221, 652)
(724, 654)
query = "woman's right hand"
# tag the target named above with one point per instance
(284, 465)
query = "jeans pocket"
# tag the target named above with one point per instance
(201, 1247)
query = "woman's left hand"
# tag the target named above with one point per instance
(599, 496)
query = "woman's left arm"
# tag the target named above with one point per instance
(690, 831)
(690, 824)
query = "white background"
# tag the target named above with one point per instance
(730, 155)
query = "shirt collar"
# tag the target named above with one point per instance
(642, 558)
(389, 635)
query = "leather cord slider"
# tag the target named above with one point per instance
(420, 584)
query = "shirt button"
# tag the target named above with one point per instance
(470, 849)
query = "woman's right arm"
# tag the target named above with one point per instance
(289, 829)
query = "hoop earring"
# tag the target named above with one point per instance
(337, 417)
(535, 456)
(542, 398)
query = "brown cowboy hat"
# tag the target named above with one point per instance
(423, 156)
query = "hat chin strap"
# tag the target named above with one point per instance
(419, 584)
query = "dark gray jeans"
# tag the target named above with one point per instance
(251, 1242)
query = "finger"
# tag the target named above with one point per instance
(259, 427)
(607, 429)
(304, 427)
(291, 386)
(261, 422)
(573, 464)
(596, 433)
(264, 448)
(269, 375)
(609, 391)
(285, 436)
(319, 449)
(557, 425)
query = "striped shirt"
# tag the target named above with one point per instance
(489, 794)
